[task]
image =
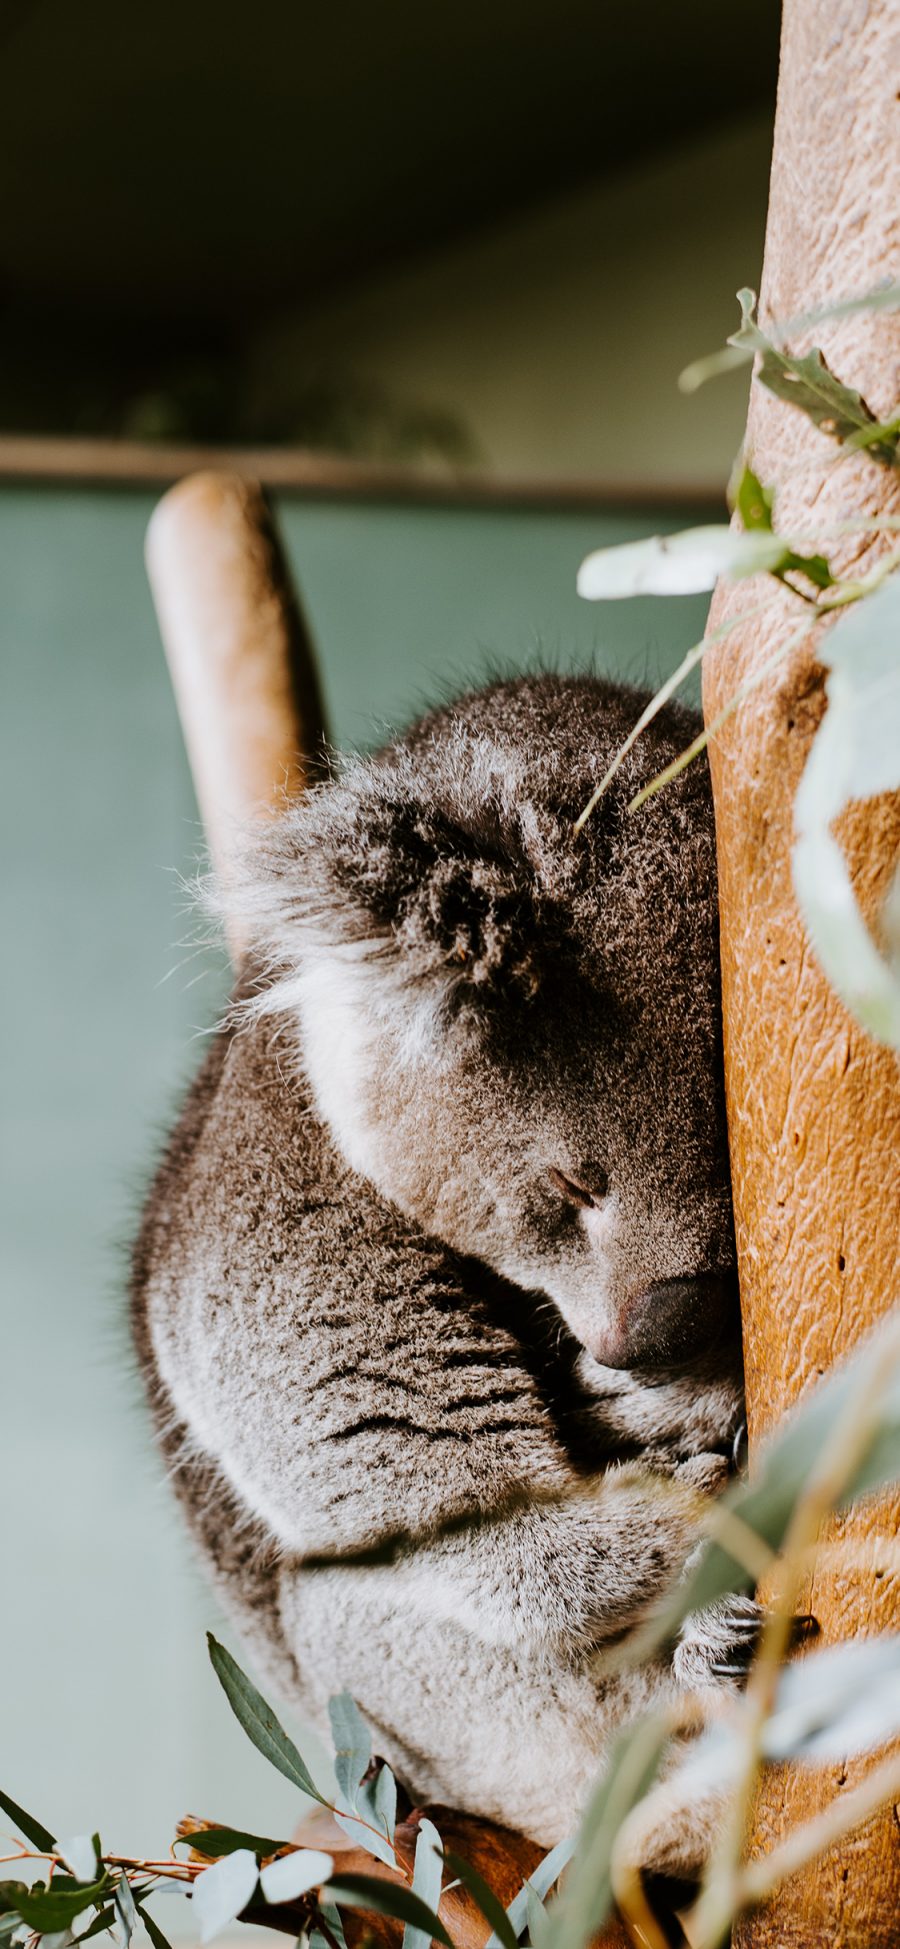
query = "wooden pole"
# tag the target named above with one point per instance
(814, 1107)
(240, 655)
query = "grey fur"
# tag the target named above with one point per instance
(369, 1292)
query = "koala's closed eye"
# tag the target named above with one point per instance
(576, 1191)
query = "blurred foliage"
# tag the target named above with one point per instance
(855, 753)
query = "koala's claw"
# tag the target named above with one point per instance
(718, 1644)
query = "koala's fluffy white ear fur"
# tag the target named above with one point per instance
(379, 918)
(369, 874)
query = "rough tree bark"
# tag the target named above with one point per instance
(814, 1108)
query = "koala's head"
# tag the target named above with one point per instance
(514, 1032)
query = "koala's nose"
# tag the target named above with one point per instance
(680, 1316)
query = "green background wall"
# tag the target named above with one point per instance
(111, 1715)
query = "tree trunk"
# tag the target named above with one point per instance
(814, 1108)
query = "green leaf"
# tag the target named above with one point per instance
(427, 1879)
(9, 1896)
(123, 1901)
(330, 1915)
(101, 1922)
(295, 1874)
(537, 1920)
(539, 1883)
(490, 1905)
(880, 433)
(583, 1905)
(835, 408)
(855, 753)
(259, 1721)
(752, 502)
(212, 1842)
(815, 568)
(40, 1837)
(378, 1799)
(766, 1504)
(388, 1898)
(221, 1892)
(836, 1703)
(356, 1827)
(372, 1825)
(80, 1854)
(352, 1745)
(680, 564)
(743, 344)
(809, 384)
(153, 1929)
(51, 1910)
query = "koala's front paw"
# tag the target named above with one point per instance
(717, 1645)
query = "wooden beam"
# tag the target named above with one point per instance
(325, 476)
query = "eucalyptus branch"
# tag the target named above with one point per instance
(743, 690)
(689, 662)
(719, 1897)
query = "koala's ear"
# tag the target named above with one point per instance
(371, 867)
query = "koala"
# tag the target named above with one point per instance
(441, 1249)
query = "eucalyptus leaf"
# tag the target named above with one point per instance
(378, 1801)
(835, 408)
(357, 1829)
(680, 564)
(372, 1825)
(427, 1878)
(582, 1907)
(105, 1919)
(751, 501)
(788, 1459)
(352, 1745)
(539, 1883)
(49, 1910)
(295, 1874)
(158, 1939)
(39, 1836)
(867, 982)
(807, 382)
(331, 1916)
(123, 1902)
(388, 1898)
(855, 754)
(829, 1707)
(220, 1893)
(835, 1703)
(80, 1855)
(10, 1892)
(213, 1842)
(490, 1905)
(537, 1920)
(259, 1721)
